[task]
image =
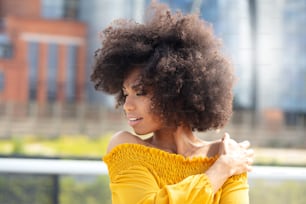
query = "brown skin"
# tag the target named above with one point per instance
(184, 84)
(234, 158)
(190, 79)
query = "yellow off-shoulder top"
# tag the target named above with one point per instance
(142, 174)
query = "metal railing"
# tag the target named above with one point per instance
(52, 166)
(23, 179)
(92, 167)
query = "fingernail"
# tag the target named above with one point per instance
(246, 142)
(226, 135)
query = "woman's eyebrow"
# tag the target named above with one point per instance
(134, 87)
(131, 86)
(137, 86)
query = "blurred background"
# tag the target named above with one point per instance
(49, 108)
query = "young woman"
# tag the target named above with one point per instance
(172, 80)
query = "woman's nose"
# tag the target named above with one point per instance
(128, 104)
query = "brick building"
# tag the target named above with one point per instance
(42, 52)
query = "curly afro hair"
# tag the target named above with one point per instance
(180, 60)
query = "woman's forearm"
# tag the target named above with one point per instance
(218, 173)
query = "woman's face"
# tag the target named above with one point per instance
(137, 105)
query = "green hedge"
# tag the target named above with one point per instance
(24, 189)
(85, 190)
(37, 189)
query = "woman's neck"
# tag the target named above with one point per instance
(180, 140)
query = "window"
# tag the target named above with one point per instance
(71, 73)
(2, 81)
(52, 72)
(71, 9)
(52, 9)
(60, 9)
(184, 5)
(6, 51)
(6, 48)
(2, 25)
(33, 69)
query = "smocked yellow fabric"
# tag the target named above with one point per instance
(141, 174)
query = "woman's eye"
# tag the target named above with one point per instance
(124, 95)
(141, 93)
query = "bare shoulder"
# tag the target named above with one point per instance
(122, 137)
(214, 147)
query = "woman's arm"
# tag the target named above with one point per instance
(235, 158)
(235, 190)
(138, 185)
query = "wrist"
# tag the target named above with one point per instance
(224, 164)
(219, 172)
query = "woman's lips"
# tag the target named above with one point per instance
(134, 120)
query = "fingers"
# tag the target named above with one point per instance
(229, 145)
(249, 158)
(249, 168)
(245, 144)
(226, 137)
(249, 162)
(250, 152)
(240, 154)
(226, 140)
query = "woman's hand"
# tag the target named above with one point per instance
(237, 157)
